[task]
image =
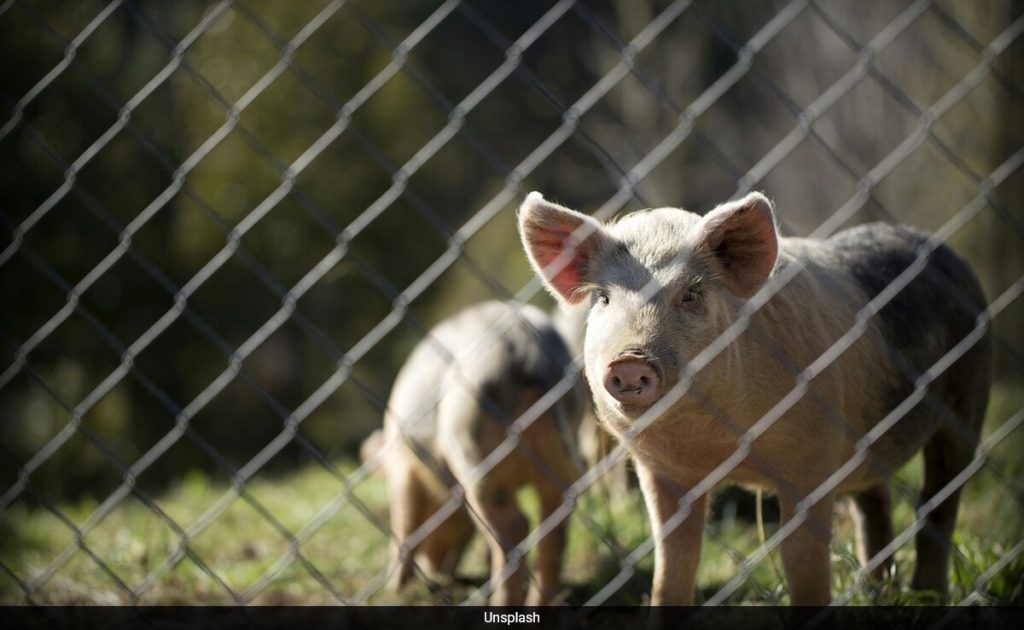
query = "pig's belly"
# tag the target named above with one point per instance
(690, 457)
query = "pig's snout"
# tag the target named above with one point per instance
(631, 380)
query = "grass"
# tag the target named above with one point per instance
(346, 553)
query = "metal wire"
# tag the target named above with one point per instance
(570, 128)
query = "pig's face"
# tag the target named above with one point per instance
(662, 284)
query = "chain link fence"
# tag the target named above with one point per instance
(226, 226)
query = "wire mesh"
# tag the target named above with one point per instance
(626, 113)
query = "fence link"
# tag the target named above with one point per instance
(227, 225)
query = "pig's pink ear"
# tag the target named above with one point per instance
(741, 236)
(561, 244)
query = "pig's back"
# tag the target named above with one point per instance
(930, 314)
(489, 348)
(508, 349)
(933, 310)
(412, 406)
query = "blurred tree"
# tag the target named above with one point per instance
(348, 194)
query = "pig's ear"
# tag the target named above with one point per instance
(741, 237)
(561, 245)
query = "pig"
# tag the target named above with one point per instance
(371, 446)
(662, 284)
(451, 405)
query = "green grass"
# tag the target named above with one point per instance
(242, 548)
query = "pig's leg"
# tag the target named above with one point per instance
(504, 527)
(408, 503)
(944, 457)
(873, 514)
(559, 467)
(445, 545)
(805, 552)
(676, 550)
(550, 549)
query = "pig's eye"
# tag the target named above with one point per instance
(689, 296)
(602, 297)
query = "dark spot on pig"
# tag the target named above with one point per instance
(939, 304)
(500, 497)
(477, 431)
(502, 400)
(925, 319)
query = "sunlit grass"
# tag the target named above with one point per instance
(343, 553)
